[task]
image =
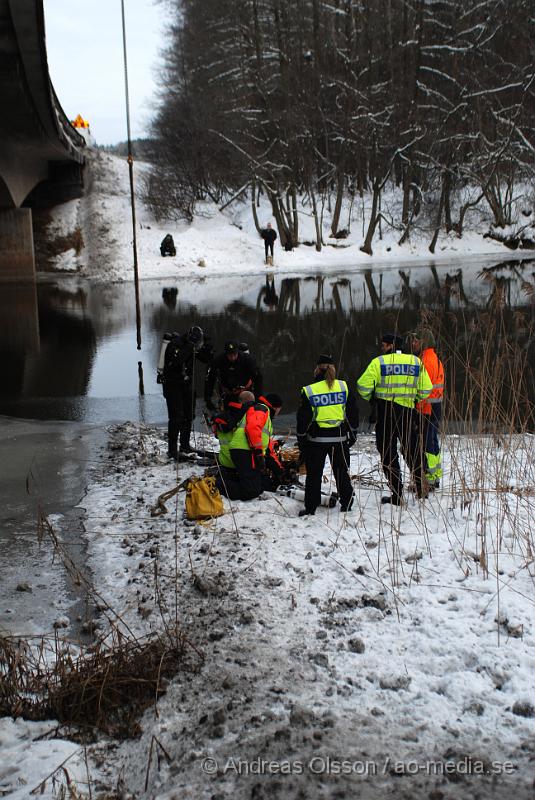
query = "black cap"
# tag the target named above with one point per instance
(274, 400)
(195, 335)
(231, 347)
(323, 359)
(393, 338)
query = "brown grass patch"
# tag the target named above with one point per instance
(105, 688)
(47, 248)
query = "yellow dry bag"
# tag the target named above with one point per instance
(203, 499)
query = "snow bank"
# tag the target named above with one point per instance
(396, 642)
(217, 243)
(44, 767)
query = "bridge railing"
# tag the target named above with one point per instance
(69, 135)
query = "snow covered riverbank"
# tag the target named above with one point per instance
(396, 642)
(225, 242)
(383, 653)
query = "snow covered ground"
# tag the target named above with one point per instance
(31, 765)
(218, 243)
(384, 653)
(381, 653)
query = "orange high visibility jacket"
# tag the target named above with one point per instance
(257, 423)
(435, 370)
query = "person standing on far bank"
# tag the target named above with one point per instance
(269, 236)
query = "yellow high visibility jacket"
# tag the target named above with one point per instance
(328, 404)
(395, 377)
(224, 457)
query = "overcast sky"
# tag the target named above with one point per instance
(85, 58)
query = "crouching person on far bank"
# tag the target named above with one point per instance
(327, 422)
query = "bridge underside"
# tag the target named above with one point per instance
(41, 156)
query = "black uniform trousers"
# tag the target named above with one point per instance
(180, 401)
(400, 424)
(315, 455)
(242, 483)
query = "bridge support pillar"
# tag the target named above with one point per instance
(17, 258)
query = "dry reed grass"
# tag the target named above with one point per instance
(106, 687)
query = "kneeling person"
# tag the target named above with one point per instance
(244, 432)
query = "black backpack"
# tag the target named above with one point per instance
(178, 360)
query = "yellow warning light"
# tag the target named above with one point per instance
(80, 122)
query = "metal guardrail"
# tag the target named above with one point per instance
(69, 135)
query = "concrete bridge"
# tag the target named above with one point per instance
(41, 155)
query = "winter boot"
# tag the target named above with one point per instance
(393, 499)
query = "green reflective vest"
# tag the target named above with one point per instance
(328, 403)
(224, 457)
(397, 377)
(237, 440)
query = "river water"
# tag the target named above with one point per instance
(69, 350)
(70, 367)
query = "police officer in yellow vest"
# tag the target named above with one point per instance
(327, 423)
(396, 381)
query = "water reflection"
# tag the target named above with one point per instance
(19, 325)
(69, 350)
(169, 296)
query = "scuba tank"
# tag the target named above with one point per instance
(298, 493)
(161, 360)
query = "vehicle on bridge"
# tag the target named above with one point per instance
(82, 127)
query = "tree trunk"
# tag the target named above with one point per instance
(405, 211)
(350, 212)
(278, 213)
(374, 219)
(295, 216)
(405, 235)
(338, 204)
(253, 205)
(416, 201)
(447, 207)
(374, 297)
(458, 226)
(439, 221)
(436, 279)
(316, 220)
(493, 198)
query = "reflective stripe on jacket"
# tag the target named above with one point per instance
(396, 377)
(328, 410)
(435, 370)
(328, 404)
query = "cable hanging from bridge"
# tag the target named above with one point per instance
(130, 160)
